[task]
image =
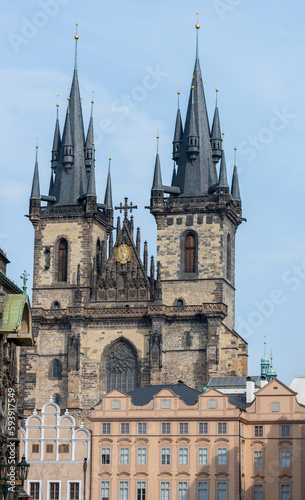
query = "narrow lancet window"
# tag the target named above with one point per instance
(229, 257)
(190, 253)
(63, 260)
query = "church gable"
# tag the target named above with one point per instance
(123, 276)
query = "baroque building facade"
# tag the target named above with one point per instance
(105, 315)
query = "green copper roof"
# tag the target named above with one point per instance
(13, 306)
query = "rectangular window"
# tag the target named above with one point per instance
(183, 428)
(74, 491)
(165, 456)
(124, 456)
(54, 491)
(258, 492)
(182, 490)
(165, 404)
(202, 490)
(203, 428)
(222, 456)
(212, 404)
(105, 489)
(63, 448)
(34, 490)
(105, 459)
(165, 428)
(49, 448)
(275, 407)
(222, 428)
(258, 459)
(106, 428)
(141, 490)
(125, 428)
(258, 431)
(142, 456)
(285, 492)
(165, 490)
(221, 490)
(202, 456)
(123, 490)
(142, 428)
(285, 458)
(183, 456)
(35, 448)
(115, 405)
(285, 431)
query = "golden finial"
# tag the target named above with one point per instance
(265, 342)
(37, 143)
(193, 87)
(223, 129)
(92, 101)
(197, 25)
(57, 104)
(68, 96)
(178, 92)
(76, 35)
(235, 149)
(158, 133)
(193, 77)
(110, 150)
(217, 89)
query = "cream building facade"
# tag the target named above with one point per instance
(174, 443)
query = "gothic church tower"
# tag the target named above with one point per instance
(104, 315)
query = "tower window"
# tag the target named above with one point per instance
(56, 369)
(63, 260)
(229, 273)
(190, 253)
(121, 368)
(187, 340)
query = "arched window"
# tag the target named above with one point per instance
(56, 369)
(187, 340)
(190, 245)
(121, 368)
(63, 260)
(229, 274)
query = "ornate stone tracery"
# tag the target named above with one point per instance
(121, 368)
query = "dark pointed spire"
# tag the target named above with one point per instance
(91, 191)
(174, 176)
(193, 174)
(56, 141)
(138, 241)
(51, 184)
(89, 140)
(178, 135)
(223, 178)
(35, 193)
(235, 192)
(108, 192)
(192, 148)
(216, 135)
(145, 257)
(157, 182)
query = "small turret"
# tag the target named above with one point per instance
(108, 192)
(235, 192)
(67, 143)
(178, 135)
(223, 185)
(56, 142)
(271, 373)
(192, 148)
(216, 135)
(89, 142)
(35, 198)
(265, 363)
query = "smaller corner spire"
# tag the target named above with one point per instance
(108, 192)
(157, 182)
(35, 193)
(235, 191)
(178, 134)
(91, 191)
(197, 26)
(223, 178)
(76, 37)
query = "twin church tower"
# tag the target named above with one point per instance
(105, 314)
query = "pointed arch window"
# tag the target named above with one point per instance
(190, 246)
(121, 368)
(229, 258)
(98, 256)
(63, 260)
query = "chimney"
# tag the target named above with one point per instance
(249, 390)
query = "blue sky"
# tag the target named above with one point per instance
(256, 49)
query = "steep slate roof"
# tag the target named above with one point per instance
(144, 395)
(234, 381)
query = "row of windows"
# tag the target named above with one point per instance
(165, 459)
(165, 490)
(62, 448)
(285, 459)
(183, 428)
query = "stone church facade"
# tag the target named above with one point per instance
(105, 314)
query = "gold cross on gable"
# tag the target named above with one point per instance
(126, 207)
